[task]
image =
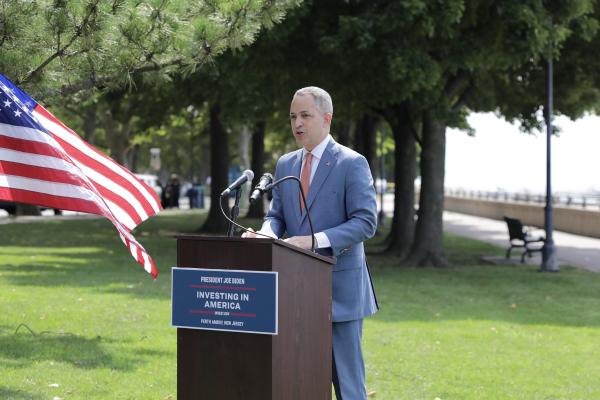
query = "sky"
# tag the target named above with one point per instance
(500, 157)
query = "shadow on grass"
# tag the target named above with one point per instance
(110, 275)
(64, 255)
(88, 253)
(96, 232)
(471, 290)
(23, 349)
(517, 294)
(9, 394)
(466, 290)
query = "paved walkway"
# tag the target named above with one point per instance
(578, 251)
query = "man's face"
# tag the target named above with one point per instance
(309, 126)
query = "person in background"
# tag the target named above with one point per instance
(172, 190)
(192, 195)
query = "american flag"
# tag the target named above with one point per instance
(43, 162)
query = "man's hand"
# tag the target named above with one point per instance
(304, 242)
(249, 234)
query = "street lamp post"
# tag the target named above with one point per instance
(382, 188)
(548, 252)
(193, 114)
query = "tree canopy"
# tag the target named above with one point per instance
(70, 45)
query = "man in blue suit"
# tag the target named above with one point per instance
(340, 196)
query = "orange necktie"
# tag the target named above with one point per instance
(305, 178)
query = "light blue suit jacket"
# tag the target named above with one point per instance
(342, 204)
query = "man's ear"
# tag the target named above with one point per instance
(328, 117)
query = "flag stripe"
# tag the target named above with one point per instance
(35, 160)
(53, 189)
(35, 172)
(37, 167)
(117, 192)
(57, 129)
(46, 187)
(120, 210)
(44, 162)
(38, 154)
(43, 199)
(145, 261)
(27, 145)
(109, 180)
(23, 132)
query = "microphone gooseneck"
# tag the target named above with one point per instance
(295, 178)
(248, 175)
(265, 184)
(238, 225)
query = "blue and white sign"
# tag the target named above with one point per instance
(224, 300)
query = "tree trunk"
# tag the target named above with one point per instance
(89, 123)
(219, 166)
(365, 139)
(257, 210)
(244, 146)
(344, 132)
(402, 231)
(117, 139)
(428, 247)
(132, 157)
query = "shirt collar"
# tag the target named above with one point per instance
(318, 151)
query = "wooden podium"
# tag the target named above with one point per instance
(295, 363)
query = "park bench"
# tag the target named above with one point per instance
(521, 237)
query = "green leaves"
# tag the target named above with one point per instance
(70, 45)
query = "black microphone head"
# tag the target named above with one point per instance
(259, 189)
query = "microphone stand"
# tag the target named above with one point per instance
(285, 178)
(235, 210)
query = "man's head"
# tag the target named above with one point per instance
(311, 112)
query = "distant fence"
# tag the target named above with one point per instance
(565, 199)
(582, 218)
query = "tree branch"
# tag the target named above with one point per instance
(462, 99)
(455, 84)
(92, 8)
(101, 82)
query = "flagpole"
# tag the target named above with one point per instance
(548, 251)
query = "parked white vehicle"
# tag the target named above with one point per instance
(152, 181)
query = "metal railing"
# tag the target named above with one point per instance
(562, 199)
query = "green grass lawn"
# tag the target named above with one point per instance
(96, 326)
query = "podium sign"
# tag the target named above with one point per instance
(224, 300)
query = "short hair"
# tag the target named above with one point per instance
(322, 99)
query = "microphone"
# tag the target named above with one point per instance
(248, 175)
(260, 188)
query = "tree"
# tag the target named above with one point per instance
(425, 65)
(424, 60)
(256, 209)
(520, 94)
(66, 46)
(58, 48)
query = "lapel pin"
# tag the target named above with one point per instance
(327, 164)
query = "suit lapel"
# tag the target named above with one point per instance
(326, 165)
